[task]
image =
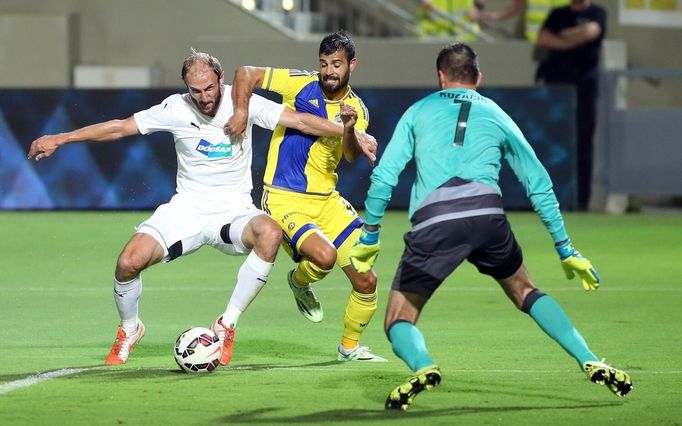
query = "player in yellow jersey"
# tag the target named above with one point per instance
(300, 179)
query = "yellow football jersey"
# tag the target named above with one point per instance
(296, 161)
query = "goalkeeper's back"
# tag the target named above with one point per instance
(458, 133)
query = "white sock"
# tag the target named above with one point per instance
(127, 297)
(251, 278)
(346, 351)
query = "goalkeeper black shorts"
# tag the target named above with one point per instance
(432, 253)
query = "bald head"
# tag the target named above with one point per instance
(200, 61)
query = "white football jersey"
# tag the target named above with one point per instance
(210, 165)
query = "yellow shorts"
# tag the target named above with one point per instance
(300, 215)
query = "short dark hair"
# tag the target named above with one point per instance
(201, 57)
(459, 63)
(335, 41)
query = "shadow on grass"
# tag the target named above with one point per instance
(269, 415)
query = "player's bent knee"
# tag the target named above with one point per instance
(520, 294)
(270, 236)
(324, 258)
(263, 235)
(129, 266)
(529, 300)
(366, 283)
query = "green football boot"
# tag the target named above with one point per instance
(425, 379)
(616, 380)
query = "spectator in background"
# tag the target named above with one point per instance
(534, 14)
(573, 36)
(437, 18)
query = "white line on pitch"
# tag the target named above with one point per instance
(37, 378)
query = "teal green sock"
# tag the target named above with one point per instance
(548, 314)
(408, 343)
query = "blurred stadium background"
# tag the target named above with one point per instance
(69, 63)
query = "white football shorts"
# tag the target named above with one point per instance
(186, 223)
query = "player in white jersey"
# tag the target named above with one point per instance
(213, 204)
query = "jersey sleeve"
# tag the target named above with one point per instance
(363, 117)
(264, 112)
(535, 180)
(157, 118)
(398, 152)
(279, 80)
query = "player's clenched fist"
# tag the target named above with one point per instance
(348, 115)
(44, 146)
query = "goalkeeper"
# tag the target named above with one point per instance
(457, 139)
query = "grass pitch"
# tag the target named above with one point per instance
(59, 321)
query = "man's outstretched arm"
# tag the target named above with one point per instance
(309, 124)
(317, 126)
(538, 185)
(107, 131)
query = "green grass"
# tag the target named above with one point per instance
(498, 367)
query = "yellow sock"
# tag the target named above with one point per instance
(359, 311)
(307, 273)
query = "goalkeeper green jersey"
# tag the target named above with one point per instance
(457, 133)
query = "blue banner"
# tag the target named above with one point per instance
(139, 172)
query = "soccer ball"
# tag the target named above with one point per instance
(197, 350)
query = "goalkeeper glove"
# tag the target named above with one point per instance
(364, 252)
(573, 262)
